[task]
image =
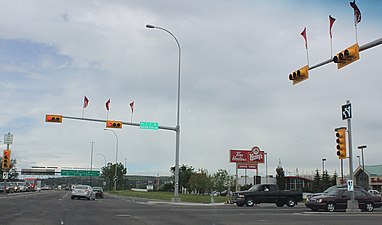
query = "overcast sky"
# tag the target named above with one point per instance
(235, 92)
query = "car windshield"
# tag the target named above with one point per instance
(254, 188)
(81, 187)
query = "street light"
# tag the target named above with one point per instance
(104, 157)
(361, 147)
(177, 129)
(116, 158)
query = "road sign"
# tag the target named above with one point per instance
(8, 139)
(346, 111)
(80, 173)
(350, 185)
(5, 175)
(149, 125)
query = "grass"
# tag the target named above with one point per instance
(167, 196)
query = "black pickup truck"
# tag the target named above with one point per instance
(266, 193)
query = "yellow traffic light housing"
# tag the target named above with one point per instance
(113, 124)
(347, 56)
(53, 118)
(6, 162)
(299, 75)
(341, 142)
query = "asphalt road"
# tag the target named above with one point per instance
(56, 207)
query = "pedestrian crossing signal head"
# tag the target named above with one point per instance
(53, 118)
(113, 124)
(299, 75)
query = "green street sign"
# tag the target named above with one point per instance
(149, 125)
(80, 173)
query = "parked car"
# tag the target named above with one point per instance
(98, 192)
(337, 199)
(374, 192)
(83, 191)
(330, 189)
(267, 193)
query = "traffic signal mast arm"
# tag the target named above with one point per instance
(361, 48)
(124, 123)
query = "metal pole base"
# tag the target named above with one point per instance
(352, 206)
(176, 200)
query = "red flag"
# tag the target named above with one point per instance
(357, 12)
(108, 105)
(86, 102)
(303, 33)
(132, 106)
(331, 22)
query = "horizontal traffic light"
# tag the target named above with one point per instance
(53, 118)
(113, 124)
(347, 56)
(299, 75)
(6, 162)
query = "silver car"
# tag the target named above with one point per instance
(83, 191)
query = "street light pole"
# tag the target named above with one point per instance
(116, 160)
(323, 167)
(91, 161)
(177, 130)
(361, 147)
(104, 157)
(266, 167)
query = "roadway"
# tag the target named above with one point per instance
(56, 207)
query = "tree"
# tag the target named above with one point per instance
(108, 173)
(317, 186)
(326, 182)
(200, 181)
(220, 180)
(185, 172)
(333, 180)
(280, 177)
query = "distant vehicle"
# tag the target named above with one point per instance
(83, 191)
(9, 189)
(337, 199)
(98, 192)
(267, 193)
(374, 192)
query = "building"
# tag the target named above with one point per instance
(370, 178)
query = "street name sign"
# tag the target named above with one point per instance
(149, 125)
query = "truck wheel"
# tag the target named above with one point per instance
(279, 204)
(291, 202)
(240, 204)
(330, 207)
(249, 202)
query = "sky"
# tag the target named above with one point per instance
(235, 94)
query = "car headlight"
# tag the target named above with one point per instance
(241, 196)
(319, 200)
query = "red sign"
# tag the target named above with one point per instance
(247, 156)
(247, 166)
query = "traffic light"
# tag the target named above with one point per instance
(113, 124)
(6, 163)
(341, 142)
(347, 56)
(299, 75)
(53, 118)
